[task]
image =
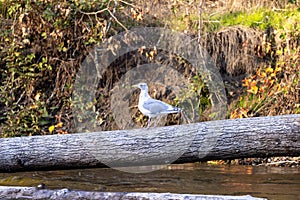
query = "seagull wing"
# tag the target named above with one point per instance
(157, 107)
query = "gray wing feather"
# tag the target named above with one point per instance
(156, 107)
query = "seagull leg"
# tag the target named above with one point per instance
(148, 122)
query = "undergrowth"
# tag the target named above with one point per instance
(271, 78)
(42, 44)
(261, 18)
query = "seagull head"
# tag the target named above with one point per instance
(142, 86)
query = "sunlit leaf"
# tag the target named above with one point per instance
(51, 129)
(37, 96)
(59, 125)
(253, 89)
(269, 70)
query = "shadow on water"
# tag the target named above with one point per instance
(259, 181)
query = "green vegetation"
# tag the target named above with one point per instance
(196, 100)
(42, 44)
(261, 18)
(272, 89)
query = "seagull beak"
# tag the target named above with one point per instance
(136, 85)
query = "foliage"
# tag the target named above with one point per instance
(42, 44)
(196, 99)
(261, 18)
(272, 91)
(274, 88)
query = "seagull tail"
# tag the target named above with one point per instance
(173, 109)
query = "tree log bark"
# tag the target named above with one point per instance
(35, 193)
(212, 140)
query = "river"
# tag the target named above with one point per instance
(258, 181)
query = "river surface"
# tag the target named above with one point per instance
(259, 181)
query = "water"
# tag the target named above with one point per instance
(259, 181)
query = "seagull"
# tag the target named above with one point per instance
(152, 107)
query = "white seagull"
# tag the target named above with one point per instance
(152, 107)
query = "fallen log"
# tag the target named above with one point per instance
(212, 140)
(36, 193)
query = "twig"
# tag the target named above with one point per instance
(112, 15)
(280, 162)
(93, 13)
(20, 98)
(129, 4)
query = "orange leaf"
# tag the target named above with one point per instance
(261, 74)
(246, 82)
(59, 125)
(139, 17)
(273, 74)
(253, 89)
(269, 70)
(278, 69)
